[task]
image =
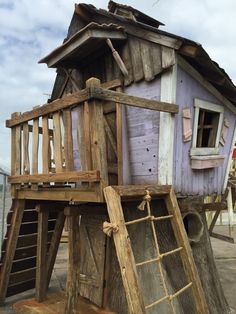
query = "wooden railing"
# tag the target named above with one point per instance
(42, 142)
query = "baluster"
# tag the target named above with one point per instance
(26, 162)
(35, 148)
(68, 140)
(57, 146)
(15, 152)
(46, 157)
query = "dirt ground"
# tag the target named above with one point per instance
(225, 255)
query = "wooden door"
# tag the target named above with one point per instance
(92, 258)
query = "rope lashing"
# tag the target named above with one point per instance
(146, 200)
(108, 228)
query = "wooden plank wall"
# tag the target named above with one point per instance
(142, 136)
(186, 180)
(143, 59)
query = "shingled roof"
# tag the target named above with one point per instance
(126, 19)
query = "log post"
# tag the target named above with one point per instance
(41, 275)
(72, 285)
(97, 136)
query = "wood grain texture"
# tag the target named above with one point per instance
(70, 176)
(26, 161)
(68, 140)
(57, 142)
(55, 105)
(124, 253)
(18, 209)
(134, 101)
(41, 279)
(55, 241)
(46, 156)
(35, 146)
(72, 284)
(91, 284)
(186, 253)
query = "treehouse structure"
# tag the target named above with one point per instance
(140, 118)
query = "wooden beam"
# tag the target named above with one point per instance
(26, 161)
(51, 107)
(186, 253)
(55, 241)
(73, 274)
(140, 190)
(18, 209)
(222, 237)
(122, 98)
(60, 194)
(97, 134)
(57, 142)
(112, 84)
(42, 239)
(124, 253)
(110, 135)
(119, 138)
(167, 126)
(46, 157)
(68, 140)
(72, 176)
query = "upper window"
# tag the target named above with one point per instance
(208, 119)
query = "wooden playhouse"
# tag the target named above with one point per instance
(140, 118)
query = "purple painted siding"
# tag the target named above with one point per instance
(141, 136)
(186, 180)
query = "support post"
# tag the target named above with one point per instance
(72, 285)
(55, 241)
(41, 278)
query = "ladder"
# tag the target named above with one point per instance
(30, 246)
(128, 266)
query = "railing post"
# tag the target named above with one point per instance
(97, 134)
(15, 152)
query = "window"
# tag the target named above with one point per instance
(208, 120)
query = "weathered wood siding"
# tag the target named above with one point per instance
(186, 180)
(140, 136)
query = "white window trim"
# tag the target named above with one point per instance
(204, 151)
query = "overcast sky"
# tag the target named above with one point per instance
(29, 30)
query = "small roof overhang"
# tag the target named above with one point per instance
(82, 43)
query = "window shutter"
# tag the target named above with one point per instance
(224, 132)
(187, 128)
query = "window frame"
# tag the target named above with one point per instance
(205, 105)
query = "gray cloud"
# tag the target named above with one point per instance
(29, 30)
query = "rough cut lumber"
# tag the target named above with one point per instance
(73, 176)
(35, 146)
(97, 134)
(55, 241)
(57, 142)
(124, 253)
(73, 274)
(18, 207)
(68, 140)
(41, 261)
(100, 93)
(186, 253)
(45, 146)
(119, 140)
(53, 106)
(60, 194)
(140, 190)
(26, 162)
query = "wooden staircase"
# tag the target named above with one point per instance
(21, 249)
